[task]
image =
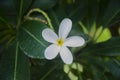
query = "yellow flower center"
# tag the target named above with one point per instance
(60, 42)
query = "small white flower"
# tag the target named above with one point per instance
(61, 42)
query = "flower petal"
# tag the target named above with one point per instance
(51, 51)
(66, 55)
(65, 27)
(74, 41)
(49, 35)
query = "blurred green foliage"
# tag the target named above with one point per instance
(22, 46)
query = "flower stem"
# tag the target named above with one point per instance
(20, 14)
(43, 13)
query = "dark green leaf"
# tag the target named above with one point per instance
(115, 20)
(53, 72)
(77, 10)
(102, 9)
(8, 10)
(92, 11)
(96, 73)
(113, 66)
(31, 40)
(108, 48)
(24, 4)
(7, 6)
(14, 65)
(44, 4)
(112, 10)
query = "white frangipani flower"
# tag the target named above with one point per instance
(61, 42)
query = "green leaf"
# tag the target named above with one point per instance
(105, 35)
(112, 10)
(102, 9)
(113, 66)
(43, 72)
(14, 65)
(25, 4)
(7, 32)
(7, 6)
(31, 40)
(96, 73)
(77, 10)
(108, 48)
(44, 4)
(8, 10)
(115, 19)
(74, 71)
(91, 15)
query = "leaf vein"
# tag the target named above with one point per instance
(16, 59)
(34, 37)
